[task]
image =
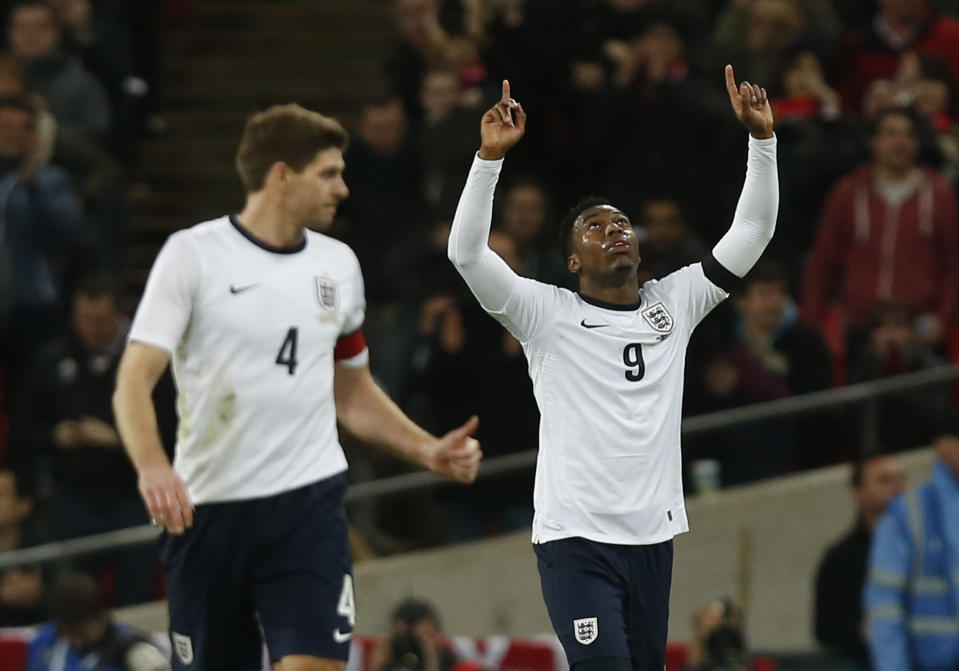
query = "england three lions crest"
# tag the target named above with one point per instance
(327, 293)
(659, 318)
(586, 630)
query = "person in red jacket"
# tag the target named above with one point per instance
(889, 230)
(899, 27)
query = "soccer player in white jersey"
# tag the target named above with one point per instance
(262, 318)
(607, 369)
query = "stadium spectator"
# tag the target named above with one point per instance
(433, 34)
(385, 177)
(718, 642)
(636, 135)
(771, 332)
(41, 217)
(898, 343)
(841, 575)
(772, 356)
(523, 212)
(105, 46)
(529, 42)
(458, 341)
(95, 174)
(772, 30)
(889, 230)
(416, 641)
(900, 27)
(818, 146)
(73, 95)
(442, 134)
(66, 419)
(21, 589)
(667, 243)
(910, 596)
(83, 635)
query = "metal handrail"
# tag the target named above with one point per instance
(520, 461)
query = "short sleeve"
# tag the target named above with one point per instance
(531, 309)
(695, 294)
(164, 311)
(355, 305)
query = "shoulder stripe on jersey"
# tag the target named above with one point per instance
(718, 274)
(348, 346)
(265, 245)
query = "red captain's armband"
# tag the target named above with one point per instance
(349, 346)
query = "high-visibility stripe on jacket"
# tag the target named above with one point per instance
(911, 599)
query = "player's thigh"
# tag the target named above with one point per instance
(308, 663)
(647, 612)
(585, 598)
(303, 579)
(212, 623)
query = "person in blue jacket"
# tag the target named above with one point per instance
(911, 598)
(83, 636)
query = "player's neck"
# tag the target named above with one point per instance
(264, 219)
(613, 290)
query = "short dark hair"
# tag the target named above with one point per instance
(766, 271)
(287, 134)
(98, 285)
(414, 610)
(860, 463)
(569, 220)
(909, 112)
(75, 598)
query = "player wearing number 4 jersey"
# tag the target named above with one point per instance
(262, 320)
(607, 370)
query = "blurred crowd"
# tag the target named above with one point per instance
(626, 99)
(78, 84)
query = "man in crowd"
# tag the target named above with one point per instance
(910, 597)
(888, 231)
(842, 573)
(66, 419)
(83, 636)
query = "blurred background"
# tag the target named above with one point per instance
(812, 395)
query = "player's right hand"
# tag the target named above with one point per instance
(166, 498)
(502, 126)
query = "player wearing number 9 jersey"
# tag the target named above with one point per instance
(262, 319)
(607, 369)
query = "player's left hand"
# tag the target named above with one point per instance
(751, 106)
(457, 455)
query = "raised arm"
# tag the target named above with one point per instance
(755, 218)
(488, 276)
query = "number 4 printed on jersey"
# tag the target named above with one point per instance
(287, 354)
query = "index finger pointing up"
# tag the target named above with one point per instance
(506, 91)
(731, 82)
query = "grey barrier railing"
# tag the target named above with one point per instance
(868, 393)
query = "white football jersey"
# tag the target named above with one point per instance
(252, 331)
(609, 384)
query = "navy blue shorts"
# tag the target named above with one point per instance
(280, 565)
(608, 600)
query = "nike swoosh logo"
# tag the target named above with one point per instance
(341, 638)
(236, 290)
(592, 326)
